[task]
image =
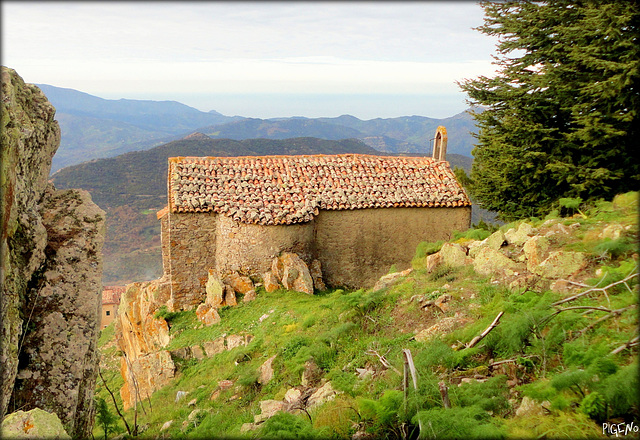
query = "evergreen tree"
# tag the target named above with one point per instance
(560, 118)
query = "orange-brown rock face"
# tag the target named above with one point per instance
(142, 336)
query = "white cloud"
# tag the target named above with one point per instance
(127, 48)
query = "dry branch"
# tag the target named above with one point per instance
(596, 289)
(114, 401)
(383, 360)
(631, 343)
(481, 336)
(604, 318)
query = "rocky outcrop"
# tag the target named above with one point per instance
(141, 336)
(521, 258)
(51, 250)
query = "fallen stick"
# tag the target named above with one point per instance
(478, 338)
(604, 318)
(632, 343)
(383, 360)
(596, 289)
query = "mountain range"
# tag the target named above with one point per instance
(94, 127)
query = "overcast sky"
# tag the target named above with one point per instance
(256, 59)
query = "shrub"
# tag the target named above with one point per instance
(470, 422)
(286, 425)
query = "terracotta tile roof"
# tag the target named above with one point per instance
(112, 294)
(272, 190)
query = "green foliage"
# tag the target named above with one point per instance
(621, 391)
(594, 406)
(560, 119)
(472, 234)
(613, 249)
(382, 416)
(427, 248)
(470, 422)
(164, 313)
(288, 426)
(105, 418)
(491, 395)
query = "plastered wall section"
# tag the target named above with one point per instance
(189, 248)
(357, 247)
(250, 249)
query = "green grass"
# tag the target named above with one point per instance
(549, 356)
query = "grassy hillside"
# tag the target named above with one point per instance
(544, 371)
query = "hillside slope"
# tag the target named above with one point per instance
(517, 345)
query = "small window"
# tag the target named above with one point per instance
(108, 312)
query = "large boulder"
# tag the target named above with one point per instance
(536, 250)
(390, 279)
(454, 255)
(51, 250)
(489, 262)
(517, 237)
(140, 334)
(144, 375)
(561, 264)
(34, 424)
(295, 273)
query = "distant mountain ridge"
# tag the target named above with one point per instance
(94, 127)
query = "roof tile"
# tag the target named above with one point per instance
(271, 190)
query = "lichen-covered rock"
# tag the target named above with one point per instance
(51, 248)
(29, 137)
(445, 325)
(316, 276)
(518, 236)
(207, 314)
(491, 262)
(561, 264)
(151, 371)
(390, 279)
(454, 255)
(324, 394)
(137, 330)
(270, 282)
(295, 274)
(268, 409)
(59, 356)
(241, 284)
(433, 261)
(34, 424)
(266, 371)
(215, 290)
(140, 334)
(536, 250)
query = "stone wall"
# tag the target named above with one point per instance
(191, 243)
(250, 249)
(357, 247)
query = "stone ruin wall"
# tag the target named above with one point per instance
(188, 246)
(249, 249)
(355, 247)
